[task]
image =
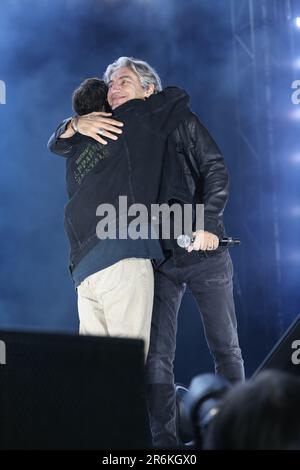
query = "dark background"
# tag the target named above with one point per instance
(237, 59)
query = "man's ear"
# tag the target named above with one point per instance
(150, 90)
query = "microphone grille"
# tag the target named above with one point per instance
(183, 241)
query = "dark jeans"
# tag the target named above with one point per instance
(210, 282)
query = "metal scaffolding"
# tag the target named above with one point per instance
(254, 71)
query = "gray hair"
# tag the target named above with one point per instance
(144, 71)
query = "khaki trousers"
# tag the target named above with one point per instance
(118, 300)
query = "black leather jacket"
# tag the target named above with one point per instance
(195, 172)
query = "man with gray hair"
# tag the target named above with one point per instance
(114, 276)
(195, 162)
(148, 77)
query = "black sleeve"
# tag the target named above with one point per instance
(162, 112)
(63, 147)
(213, 173)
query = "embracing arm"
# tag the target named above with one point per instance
(64, 138)
(57, 144)
(164, 110)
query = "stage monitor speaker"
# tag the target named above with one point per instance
(285, 355)
(61, 391)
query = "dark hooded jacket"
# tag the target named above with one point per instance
(131, 166)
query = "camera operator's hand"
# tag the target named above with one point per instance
(203, 241)
(95, 125)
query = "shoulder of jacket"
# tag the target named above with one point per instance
(193, 123)
(190, 128)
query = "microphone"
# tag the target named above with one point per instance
(185, 240)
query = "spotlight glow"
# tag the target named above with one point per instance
(295, 158)
(295, 211)
(298, 21)
(294, 256)
(294, 115)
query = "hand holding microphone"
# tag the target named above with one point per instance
(205, 241)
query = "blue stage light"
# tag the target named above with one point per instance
(295, 158)
(295, 211)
